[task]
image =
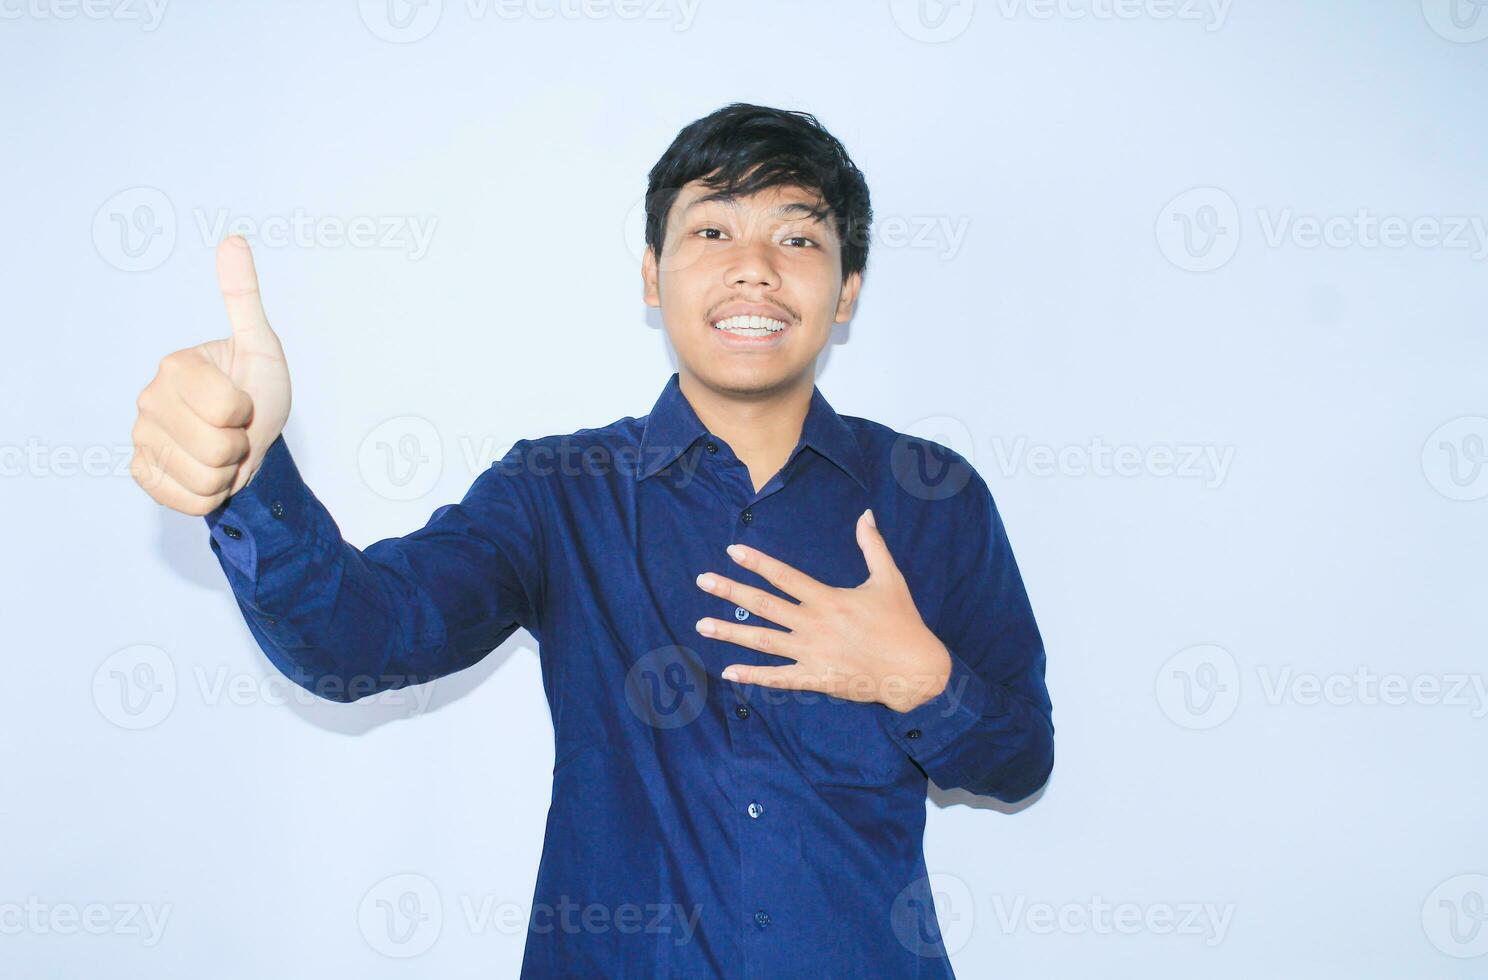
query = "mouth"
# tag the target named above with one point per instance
(751, 327)
(744, 326)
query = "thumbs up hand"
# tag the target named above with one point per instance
(211, 412)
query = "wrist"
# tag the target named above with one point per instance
(925, 682)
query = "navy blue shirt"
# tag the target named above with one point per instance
(697, 827)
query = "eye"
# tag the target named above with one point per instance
(701, 231)
(801, 238)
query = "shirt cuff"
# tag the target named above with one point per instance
(927, 730)
(265, 518)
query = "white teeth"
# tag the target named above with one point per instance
(750, 326)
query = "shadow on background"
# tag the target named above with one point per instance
(185, 545)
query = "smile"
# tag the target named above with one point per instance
(750, 326)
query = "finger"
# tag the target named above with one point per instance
(789, 677)
(757, 601)
(165, 490)
(210, 444)
(875, 549)
(763, 639)
(169, 457)
(212, 395)
(238, 280)
(792, 581)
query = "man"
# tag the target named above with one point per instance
(761, 624)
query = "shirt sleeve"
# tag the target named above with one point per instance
(345, 622)
(991, 730)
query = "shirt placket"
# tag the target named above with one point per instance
(768, 838)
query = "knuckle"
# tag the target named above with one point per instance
(240, 443)
(216, 454)
(219, 449)
(197, 506)
(144, 402)
(199, 483)
(218, 411)
(173, 363)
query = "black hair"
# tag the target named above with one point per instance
(743, 148)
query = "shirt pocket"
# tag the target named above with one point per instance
(845, 743)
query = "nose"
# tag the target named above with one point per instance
(752, 265)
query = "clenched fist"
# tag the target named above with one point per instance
(212, 411)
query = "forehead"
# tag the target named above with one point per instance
(786, 200)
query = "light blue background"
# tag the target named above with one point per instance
(1031, 297)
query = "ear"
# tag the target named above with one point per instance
(650, 285)
(850, 287)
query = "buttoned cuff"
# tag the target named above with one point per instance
(925, 731)
(265, 518)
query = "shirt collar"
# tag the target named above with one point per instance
(673, 426)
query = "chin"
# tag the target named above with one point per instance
(744, 378)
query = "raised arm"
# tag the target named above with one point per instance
(341, 621)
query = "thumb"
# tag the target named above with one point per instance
(238, 281)
(875, 549)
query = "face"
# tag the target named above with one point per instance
(727, 264)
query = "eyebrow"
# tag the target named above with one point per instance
(794, 208)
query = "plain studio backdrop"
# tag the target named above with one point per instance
(1197, 286)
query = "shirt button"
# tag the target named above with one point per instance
(742, 710)
(755, 809)
(712, 446)
(231, 531)
(277, 509)
(912, 733)
(747, 517)
(761, 918)
(740, 613)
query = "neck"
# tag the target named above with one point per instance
(761, 427)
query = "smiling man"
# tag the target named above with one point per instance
(762, 625)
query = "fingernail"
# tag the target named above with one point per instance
(705, 581)
(735, 552)
(730, 674)
(705, 627)
(871, 522)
